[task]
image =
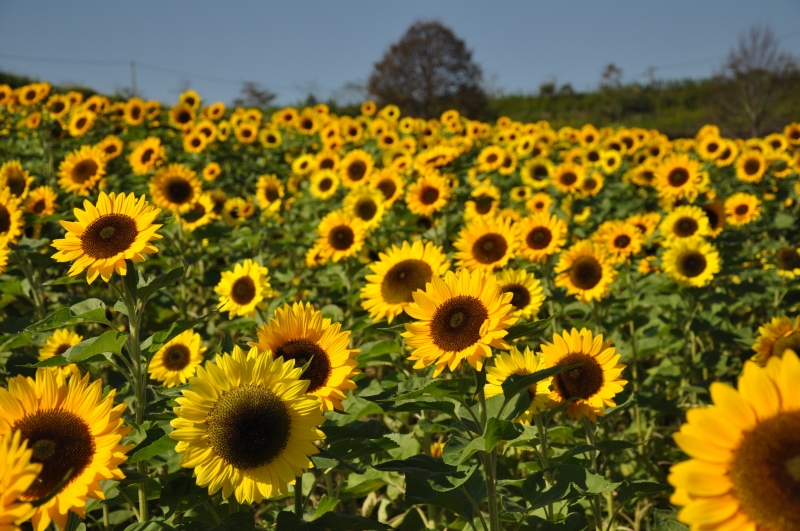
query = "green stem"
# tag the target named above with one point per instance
(233, 505)
(298, 496)
(537, 419)
(490, 468)
(106, 522)
(589, 428)
(637, 414)
(211, 510)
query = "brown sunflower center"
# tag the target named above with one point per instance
(752, 166)
(622, 241)
(61, 441)
(581, 382)
(788, 258)
(712, 147)
(306, 124)
(178, 190)
(741, 210)
(520, 298)
(272, 193)
(539, 238)
(685, 227)
(184, 117)
(568, 178)
(539, 172)
(243, 290)
(38, 206)
(586, 272)
(57, 107)
(483, 204)
(356, 170)
(249, 427)
(388, 187)
(678, 177)
(302, 350)
(366, 209)
(765, 471)
(108, 235)
(16, 182)
(176, 357)
(325, 184)
(792, 341)
(5, 219)
(81, 123)
(692, 264)
(84, 170)
(456, 324)
(589, 184)
(429, 195)
(492, 158)
(403, 279)
(593, 156)
(713, 217)
(489, 248)
(341, 237)
(62, 349)
(424, 222)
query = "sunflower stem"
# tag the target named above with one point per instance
(591, 435)
(233, 505)
(537, 419)
(298, 496)
(489, 464)
(637, 414)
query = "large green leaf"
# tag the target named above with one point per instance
(157, 340)
(529, 330)
(146, 289)
(88, 311)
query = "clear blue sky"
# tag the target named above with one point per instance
(303, 46)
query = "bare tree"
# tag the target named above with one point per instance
(428, 71)
(252, 94)
(753, 82)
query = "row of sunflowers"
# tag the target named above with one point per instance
(215, 316)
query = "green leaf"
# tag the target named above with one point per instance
(180, 494)
(15, 341)
(528, 329)
(631, 490)
(132, 476)
(157, 340)
(421, 387)
(155, 284)
(667, 521)
(131, 279)
(77, 279)
(88, 311)
(111, 341)
(500, 430)
(239, 521)
(371, 429)
(147, 450)
(518, 383)
(326, 504)
(150, 525)
(60, 361)
(459, 450)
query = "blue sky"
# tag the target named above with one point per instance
(306, 46)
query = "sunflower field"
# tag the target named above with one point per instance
(216, 319)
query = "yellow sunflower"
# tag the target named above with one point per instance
(177, 360)
(585, 270)
(69, 426)
(539, 202)
(594, 384)
(237, 209)
(17, 475)
(81, 170)
(678, 177)
(299, 332)
(520, 194)
(776, 337)
(460, 317)
(621, 239)
(365, 203)
(787, 262)
(246, 425)
(355, 168)
(134, 111)
(750, 166)
(508, 364)
(324, 184)
(536, 172)
(181, 115)
(111, 146)
(490, 158)
(728, 154)
(684, 222)
(486, 244)
(541, 235)
(568, 177)
(15, 178)
(304, 164)
(428, 194)
(175, 188)
(742, 208)
(398, 274)
(340, 235)
(526, 290)
(646, 222)
(484, 202)
(211, 171)
(41, 201)
(244, 289)
(81, 121)
(11, 221)
(592, 184)
(58, 106)
(744, 453)
(147, 155)
(201, 214)
(691, 262)
(195, 142)
(269, 192)
(118, 228)
(58, 343)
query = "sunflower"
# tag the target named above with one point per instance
(691, 262)
(644, 174)
(621, 239)
(490, 158)
(111, 146)
(484, 202)
(246, 425)
(750, 166)
(678, 177)
(744, 451)
(246, 133)
(742, 208)
(592, 184)
(508, 364)
(520, 194)
(365, 203)
(776, 337)
(194, 142)
(710, 147)
(81, 170)
(585, 270)
(684, 222)
(340, 235)
(118, 228)
(536, 172)
(787, 262)
(324, 184)
(244, 289)
(568, 177)
(11, 222)
(237, 209)
(147, 155)
(16, 477)
(646, 222)
(15, 178)
(594, 384)
(69, 427)
(460, 317)
(541, 235)
(58, 106)
(398, 274)
(201, 214)
(428, 194)
(526, 290)
(41, 201)
(181, 116)
(177, 360)
(355, 168)
(58, 343)
(211, 171)
(175, 188)
(390, 183)
(269, 192)
(486, 244)
(539, 202)
(134, 111)
(80, 122)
